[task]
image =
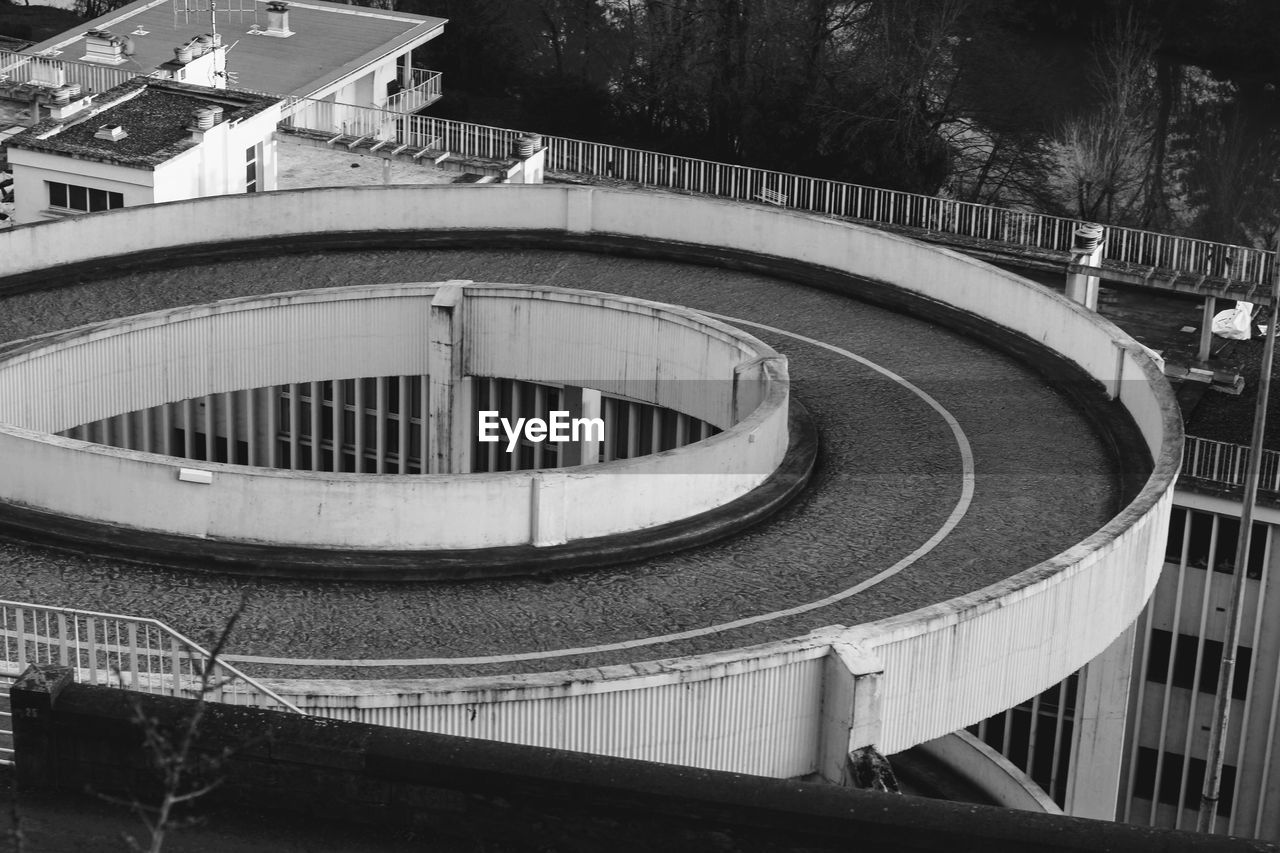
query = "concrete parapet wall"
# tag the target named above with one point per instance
(663, 355)
(464, 791)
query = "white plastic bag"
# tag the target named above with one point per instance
(1234, 322)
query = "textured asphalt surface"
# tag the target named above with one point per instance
(888, 476)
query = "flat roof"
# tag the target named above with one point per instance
(155, 114)
(330, 41)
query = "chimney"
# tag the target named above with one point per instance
(67, 100)
(278, 19)
(104, 47)
(111, 133)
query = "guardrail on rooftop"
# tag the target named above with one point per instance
(47, 71)
(123, 651)
(941, 216)
(1225, 463)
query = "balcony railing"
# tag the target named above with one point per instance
(1224, 464)
(424, 91)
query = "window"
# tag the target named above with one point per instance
(1144, 783)
(1229, 540)
(1210, 541)
(251, 169)
(82, 199)
(1184, 663)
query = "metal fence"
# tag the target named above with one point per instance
(123, 651)
(46, 71)
(929, 214)
(1224, 463)
(939, 216)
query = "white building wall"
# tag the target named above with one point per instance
(217, 165)
(32, 169)
(214, 167)
(1175, 673)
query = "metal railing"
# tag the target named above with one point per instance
(425, 90)
(1225, 464)
(123, 651)
(46, 71)
(929, 214)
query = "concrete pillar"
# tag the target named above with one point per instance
(1097, 747)
(1087, 251)
(449, 398)
(1206, 328)
(850, 718)
(406, 71)
(31, 699)
(582, 403)
(531, 168)
(748, 388)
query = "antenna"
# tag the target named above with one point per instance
(184, 11)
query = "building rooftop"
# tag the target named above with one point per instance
(329, 40)
(156, 116)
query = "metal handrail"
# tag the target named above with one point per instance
(144, 653)
(1225, 463)
(90, 76)
(943, 216)
(426, 90)
(931, 214)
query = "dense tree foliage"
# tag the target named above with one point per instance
(1089, 108)
(1099, 109)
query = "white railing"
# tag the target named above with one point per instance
(937, 217)
(122, 651)
(1225, 463)
(931, 215)
(25, 68)
(425, 90)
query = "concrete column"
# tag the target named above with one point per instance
(406, 71)
(748, 392)
(31, 699)
(582, 403)
(850, 716)
(1206, 328)
(449, 404)
(1097, 744)
(531, 169)
(1087, 251)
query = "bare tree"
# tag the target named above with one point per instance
(185, 773)
(1104, 156)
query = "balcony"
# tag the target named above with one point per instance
(424, 92)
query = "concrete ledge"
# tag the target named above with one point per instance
(500, 794)
(82, 536)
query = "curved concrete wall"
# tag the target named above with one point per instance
(659, 354)
(944, 667)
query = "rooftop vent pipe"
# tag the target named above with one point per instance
(205, 118)
(1087, 236)
(111, 133)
